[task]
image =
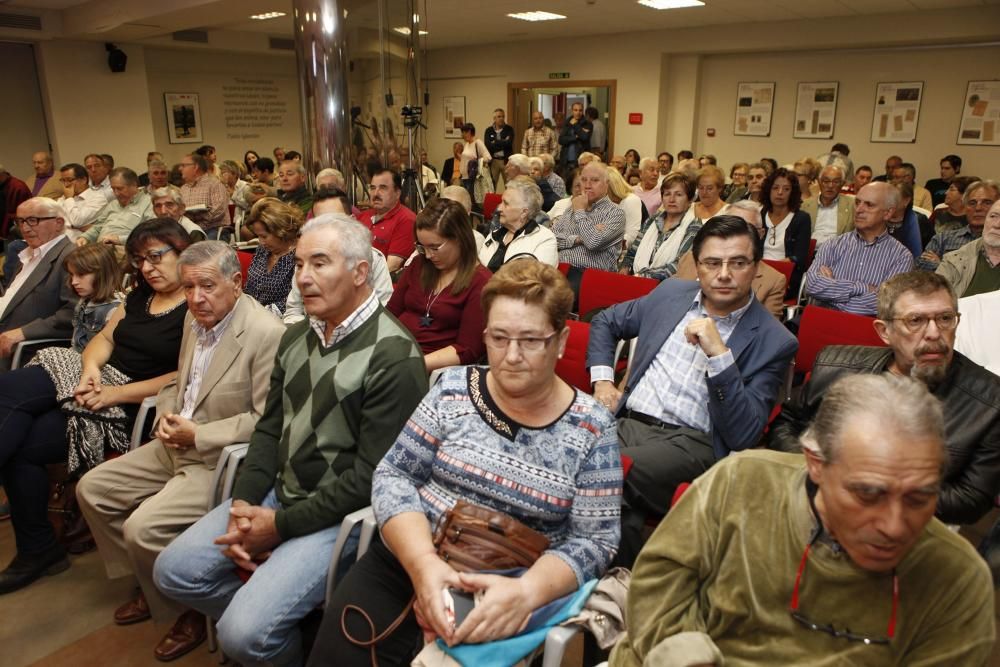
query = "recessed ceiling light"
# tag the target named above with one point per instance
(403, 30)
(267, 15)
(671, 4)
(536, 16)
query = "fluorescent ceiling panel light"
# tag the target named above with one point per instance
(671, 4)
(403, 30)
(536, 16)
(267, 15)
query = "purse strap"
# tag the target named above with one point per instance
(370, 644)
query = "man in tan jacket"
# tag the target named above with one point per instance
(137, 503)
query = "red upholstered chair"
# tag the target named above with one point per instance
(245, 259)
(573, 366)
(820, 327)
(490, 203)
(600, 289)
(782, 266)
(564, 267)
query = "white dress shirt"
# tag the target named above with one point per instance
(825, 225)
(104, 188)
(31, 259)
(82, 210)
(204, 350)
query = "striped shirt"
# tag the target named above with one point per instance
(673, 389)
(207, 191)
(591, 239)
(944, 243)
(204, 350)
(859, 267)
(540, 141)
(563, 480)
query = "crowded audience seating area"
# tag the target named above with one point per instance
(283, 401)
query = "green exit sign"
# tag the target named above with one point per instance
(558, 75)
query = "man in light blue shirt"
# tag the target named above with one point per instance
(122, 214)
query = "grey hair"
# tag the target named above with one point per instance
(158, 164)
(230, 166)
(50, 207)
(749, 207)
(203, 252)
(649, 162)
(521, 161)
(296, 165)
(459, 194)
(125, 174)
(978, 185)
(536, 161)
(897, 404)
(335, 174)
(169, 191)
(839, 168)
(529, 193)
(354, 240)
(548, 160)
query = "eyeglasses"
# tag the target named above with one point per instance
(154, 257)
(33, 221)
(735, 264)
(793, 608)
(830, 181)
(426, 250)
(527, 344)
(917, 323)
(980, 203)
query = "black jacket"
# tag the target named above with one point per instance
(970, 397)
(797, 237)
(575, 134)
(500, 144)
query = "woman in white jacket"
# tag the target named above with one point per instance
(520, 233)
(666, 236)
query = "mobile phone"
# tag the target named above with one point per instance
(464, 603)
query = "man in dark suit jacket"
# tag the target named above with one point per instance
(38, 301)
(708, 365)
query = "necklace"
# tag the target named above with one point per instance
(426, 320)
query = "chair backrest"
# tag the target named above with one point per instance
(600, 289)
(564, 267)
(245, 259)
(782, 266)
(820, 327)
(573, 366)
(490, 203)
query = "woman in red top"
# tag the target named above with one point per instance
(437, 297)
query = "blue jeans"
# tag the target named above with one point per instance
(258, 621)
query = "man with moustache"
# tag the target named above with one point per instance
(830, 558)
(390, 222)
(917, 318)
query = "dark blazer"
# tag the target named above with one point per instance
(740, 398)
(445, 175)
(797, 237)
(970, 398)
(43, 307)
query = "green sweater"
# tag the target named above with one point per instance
(331, 414)
(721, 567)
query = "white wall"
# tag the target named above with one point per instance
(22, 121)
(945, 73)
(208, 73)
(92, 110)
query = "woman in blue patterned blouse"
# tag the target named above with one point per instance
(269, 278)
(512, 437)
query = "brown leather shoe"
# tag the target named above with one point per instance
(188, 632)
(135, 610)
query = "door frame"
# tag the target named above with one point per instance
(610, 84)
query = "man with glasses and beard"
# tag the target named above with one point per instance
(833, 557)
(917, 318)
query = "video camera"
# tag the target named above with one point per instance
(411, 115)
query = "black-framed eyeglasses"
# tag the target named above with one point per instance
(33, 220)
(917, 323)
(154, 257)
(773, 240)
(527, 343)
(828, 628)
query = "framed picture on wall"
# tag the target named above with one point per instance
(981, 114)
(815, 110)
(183, 118)
(454, 117)
(897, 111)
(754, 105)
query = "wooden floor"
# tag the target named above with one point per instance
(66, 619)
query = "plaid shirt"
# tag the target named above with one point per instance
(207, 191)
(591, 239)
(944, 243)
(350, 323)
(540, 141)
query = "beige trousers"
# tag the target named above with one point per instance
(136, 504)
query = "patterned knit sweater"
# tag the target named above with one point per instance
(564, 479)
(331, 414)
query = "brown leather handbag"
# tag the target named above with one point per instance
(469, 538)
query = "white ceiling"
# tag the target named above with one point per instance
(452, 22)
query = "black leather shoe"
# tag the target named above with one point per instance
(24, 570)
